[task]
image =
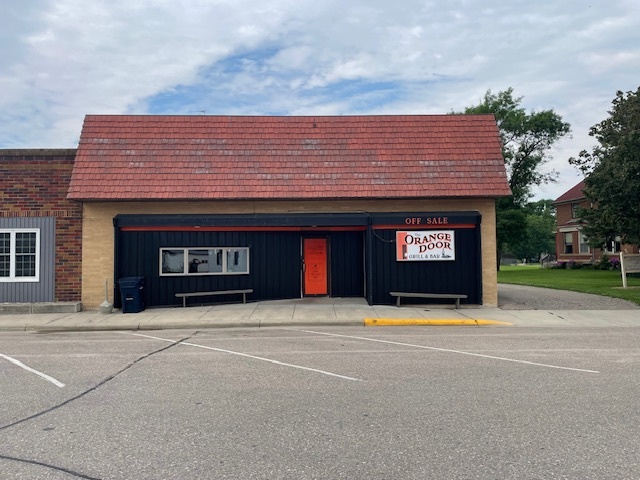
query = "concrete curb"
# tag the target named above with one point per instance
(148, 326)
(301, 315)
(399, 322)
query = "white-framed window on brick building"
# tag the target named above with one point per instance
(20, 255)
(584, 243)
(568, 242)
(613, 245)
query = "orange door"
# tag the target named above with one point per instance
(315, 266)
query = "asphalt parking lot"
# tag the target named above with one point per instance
(323, 402)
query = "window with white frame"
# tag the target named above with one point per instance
(613, 245)
(568, 242)
(204, 261)
(19, 255)
(584, 243)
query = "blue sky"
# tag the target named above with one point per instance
(63, 59)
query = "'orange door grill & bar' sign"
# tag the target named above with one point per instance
(429, 245)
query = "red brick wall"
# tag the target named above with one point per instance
(34, 184)
(563, 217)
(563, 211)
(563, 214)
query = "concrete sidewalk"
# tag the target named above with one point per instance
(305, 312)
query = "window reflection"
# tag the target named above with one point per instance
(237, 260)
(203, 261)
(172, 261)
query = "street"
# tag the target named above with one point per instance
(321, 402)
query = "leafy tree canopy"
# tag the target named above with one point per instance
(526, 138)
(612, 169)
(540, 231)
(543, 208)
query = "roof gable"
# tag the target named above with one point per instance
(573, 194)
(125, 157)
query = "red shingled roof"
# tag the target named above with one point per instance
(125, 157)
(574, 193)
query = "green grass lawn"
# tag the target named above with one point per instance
(600, 282)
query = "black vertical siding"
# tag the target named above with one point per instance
(275, 256)
(274, 264)
(462, 276)
(347, 264)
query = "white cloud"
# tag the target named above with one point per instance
(604, 62)
(65, 58)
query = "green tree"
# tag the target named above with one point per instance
(544, 208)
(540, 231)
(511, 224)
(527, 138)
(612, 170)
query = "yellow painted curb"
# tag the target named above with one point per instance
(386, 322)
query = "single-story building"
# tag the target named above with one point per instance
(344, 206)
(40, 229)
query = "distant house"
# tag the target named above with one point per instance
(571, 243)
(508, 259)
(40, 229)
(341, 206)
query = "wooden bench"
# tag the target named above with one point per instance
(184, 296)
(455, 296)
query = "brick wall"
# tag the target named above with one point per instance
(564, 225)
(34, 184)
(564, 211)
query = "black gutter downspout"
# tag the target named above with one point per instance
(479, 257)
(116, 263)
(369, 262)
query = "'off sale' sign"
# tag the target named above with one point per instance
(427, 245)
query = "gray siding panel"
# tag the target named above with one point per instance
(43, 290)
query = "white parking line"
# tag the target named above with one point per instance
(445, 350)
(275, 362)
(29, 369)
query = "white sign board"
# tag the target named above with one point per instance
(428, 245)
(628, 264)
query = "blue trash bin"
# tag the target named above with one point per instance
(132, 294)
